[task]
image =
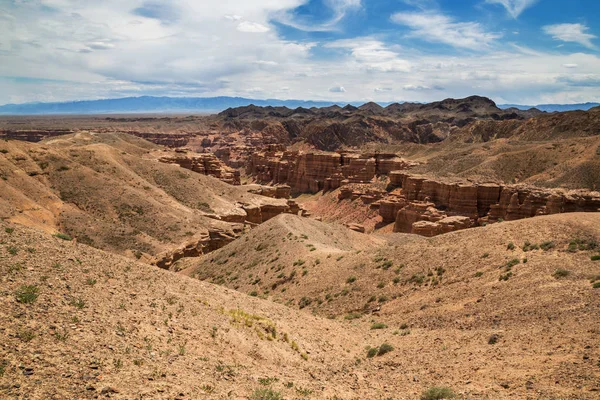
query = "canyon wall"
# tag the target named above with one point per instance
(313, 172)
(206, 164)
(430, 207)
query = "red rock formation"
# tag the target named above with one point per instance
(206, 164)
(275, 192)
(313, 172)
(212, 240)
(445, 205)
(33, 135)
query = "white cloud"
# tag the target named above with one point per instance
(570, 65)
(372, 55)
(440, 28)
(339, 9)
(252, 27)
(421, 87)
(233, 17)
(575, 33)
(48, 56)
(514, 7)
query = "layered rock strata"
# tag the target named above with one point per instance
(213, 240)
(314, 172)
(206, 164)
(429, 207)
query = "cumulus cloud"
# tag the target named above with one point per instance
(570, 65)
(337, 89)
(514, 7)
(87, 50)
(439, 28)
(252, 27)
(575, 33)
(372, 54)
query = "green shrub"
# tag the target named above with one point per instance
(352, 316)
(438, 393)
(547, 245)
(378, 325)
(596, 257)
(505, 277)
(266, 394)
(561, 273)
(9, 230)
(304, 302)
(351, 279)
(63, 236)
(27, 294)
(478, 274)
(596, 285)
(372, 352)
(384, 349)
(511, 246)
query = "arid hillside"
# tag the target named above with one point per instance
(514, 305)
(112, 192)
(78, 322)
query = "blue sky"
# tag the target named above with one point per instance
(514, 51)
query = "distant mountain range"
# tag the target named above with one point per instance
(149, 104)
(553, 107)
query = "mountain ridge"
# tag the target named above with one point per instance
(166, 104)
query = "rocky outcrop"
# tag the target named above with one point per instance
(314, 172)
(213, 240)
(172, 140)
(206, 164)
(33, 135)
(275, 192)
(429, 207)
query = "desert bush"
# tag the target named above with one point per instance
(384, 349)
(266, 394)
(547, 245)
(493, 339)
(304, 302)
(378, 325)
(9, 230)
(27, 294)
(510, 246)
(26, 335)
(561, 273)
(352, 316)
(505, 277)
(438, 393)
(63, 236)
(351, 279)
(595, 257)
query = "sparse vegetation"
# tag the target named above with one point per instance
(63, 236)
(27, 294)
(266, 394)
(378, 325)
(438, 393)
(548, 245)
(561, 273)
(379, 351)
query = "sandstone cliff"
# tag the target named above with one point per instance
(314, 172)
